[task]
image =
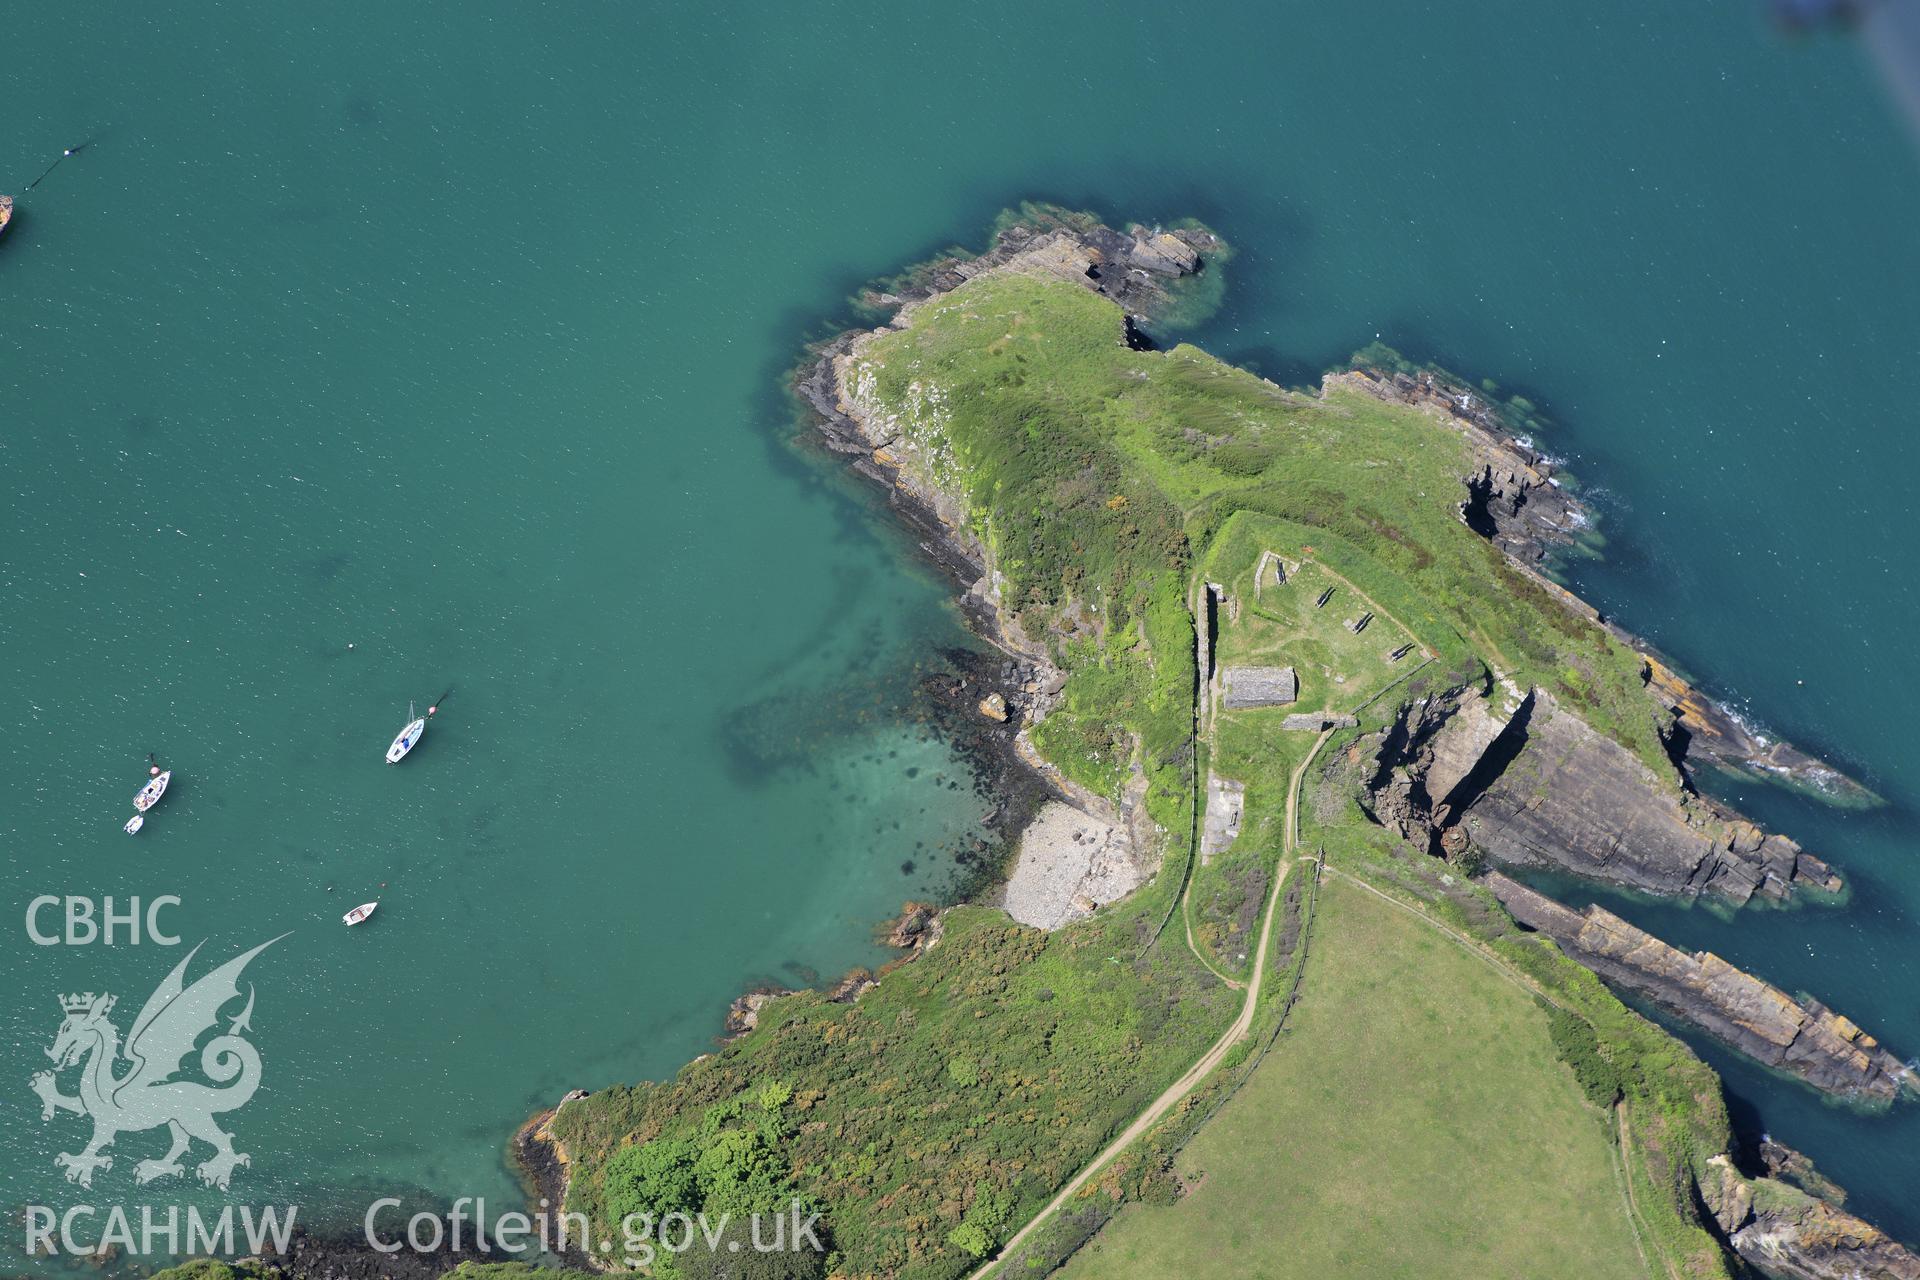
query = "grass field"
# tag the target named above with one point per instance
(1413, 1122)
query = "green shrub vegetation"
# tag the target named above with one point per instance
(1580, 1049)
(930, 1117)
(214, 1269)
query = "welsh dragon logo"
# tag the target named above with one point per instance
(146, 1095)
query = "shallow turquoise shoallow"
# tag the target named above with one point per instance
(454, 332)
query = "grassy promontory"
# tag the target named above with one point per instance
(1103, 486)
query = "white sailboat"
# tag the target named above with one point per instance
(408, 738)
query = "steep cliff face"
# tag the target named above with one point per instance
(1530, 784)
(1511, 495)
(1808, 1039)
(1575, 800)
(1784, 1232)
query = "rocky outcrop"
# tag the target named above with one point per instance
(743, 1015)
(1512, 496)
(1807, 1039)
(1133, 267)
(1535, 786)
(917, 927)
(1576, 800)
(1709, 732)
(1785, 1232)
(913, 931)
(1515, 500)
(1784, 1164)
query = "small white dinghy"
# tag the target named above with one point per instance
(360, 912)
(408, 738)
(136, 822)
(152, 792)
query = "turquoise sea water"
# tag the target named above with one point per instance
(453, 333)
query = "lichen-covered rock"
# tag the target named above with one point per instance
(1785, 1232)
(914, 927)
(1164, 252)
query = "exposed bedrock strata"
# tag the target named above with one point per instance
(1806, 1038)
(1532, 785)
(1785, 1232)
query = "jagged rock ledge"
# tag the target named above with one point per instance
(1809, 1040)
(1787, 1232)
(1533, 785)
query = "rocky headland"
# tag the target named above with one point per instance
(1484, 771)
(1790, 1233)
(1515, 498)
(1505, 770)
